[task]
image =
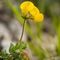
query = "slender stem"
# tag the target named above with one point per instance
(22, 31)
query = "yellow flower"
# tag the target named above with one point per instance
(30, 11)
(26, 7)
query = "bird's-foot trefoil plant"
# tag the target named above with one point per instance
(17, 51)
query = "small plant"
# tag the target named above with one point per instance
(17, 52)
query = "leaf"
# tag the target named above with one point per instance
(24, 46)
(15, 55)
(9, 58)
(12, 48)
(4, 54)
(18, 45)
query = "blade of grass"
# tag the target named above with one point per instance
(15, 11)
(38, 52)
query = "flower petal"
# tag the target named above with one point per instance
(38, 17)
(34, 11)
(27, 4)
(26, 7)
(24, 11)
(24, 4)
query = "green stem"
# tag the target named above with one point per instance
(22, 31)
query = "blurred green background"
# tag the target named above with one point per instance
(43, 37)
